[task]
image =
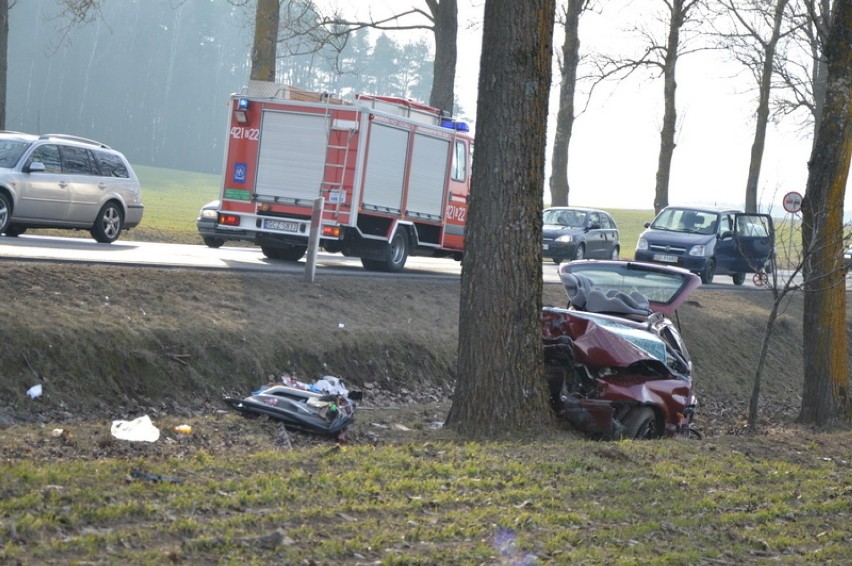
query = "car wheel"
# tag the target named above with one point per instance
(738, 278)
(213, 242)
(709, 272)
(615, 252)
(580, 252)
(694, 434)
(5, 213)
(107, 226)
(640, 424)
(14, 231)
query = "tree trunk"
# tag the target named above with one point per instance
(764, 89)
(500, 385)
(825, 396)
(667, 134)
(761, 364)
(446, 17)
(559, 189)
(4, 58)
(820, 67)
(263, 52)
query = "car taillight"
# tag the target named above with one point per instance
(229, 219)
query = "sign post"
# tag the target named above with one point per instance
(793, 202)
(313, 239)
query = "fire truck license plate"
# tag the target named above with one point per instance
(666, 258)
(280, 225)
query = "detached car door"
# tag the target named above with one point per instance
(749, 246)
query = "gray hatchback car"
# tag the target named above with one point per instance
(579, 233)
(61, 181)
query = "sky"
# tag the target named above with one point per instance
(615, 142)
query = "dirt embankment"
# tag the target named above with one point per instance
(107, 341)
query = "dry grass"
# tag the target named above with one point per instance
(114, 343)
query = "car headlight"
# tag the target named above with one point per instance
(642, 244)
(697, 250)
(567, 239)
(208, 213)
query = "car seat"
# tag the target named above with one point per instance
(617, 302)
(689, 220)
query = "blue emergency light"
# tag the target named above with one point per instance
(243, 104)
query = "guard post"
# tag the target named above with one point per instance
(313, 239)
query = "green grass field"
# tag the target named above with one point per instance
(172, 199)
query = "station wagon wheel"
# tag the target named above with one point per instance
(615, 252)
(580, 252)
(641, 424)
(738, 278)
(5, 212)
(107, 226)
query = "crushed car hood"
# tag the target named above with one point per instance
(602, 342)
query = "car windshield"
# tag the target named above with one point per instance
(664, 287)
(565, 217)
(687, 220)
(11, 151)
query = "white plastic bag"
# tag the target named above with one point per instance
(141, 429)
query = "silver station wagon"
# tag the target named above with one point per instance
(61, 181)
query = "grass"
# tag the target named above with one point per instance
(559, 501)
(172, 199)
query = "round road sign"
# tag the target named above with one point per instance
(793, 202)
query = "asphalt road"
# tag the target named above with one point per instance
(124, 252)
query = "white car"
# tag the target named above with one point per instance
(213, 236)
(61, 181)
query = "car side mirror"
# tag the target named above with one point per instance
(726, 235)
(647, 225)
(594, 227)
(35, 167)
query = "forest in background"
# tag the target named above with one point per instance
(152, 77)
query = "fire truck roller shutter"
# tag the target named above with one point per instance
(428, 177)
(383, 182)
(292, 155)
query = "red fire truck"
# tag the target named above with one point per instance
(394, 175)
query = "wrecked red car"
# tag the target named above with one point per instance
(615, 363)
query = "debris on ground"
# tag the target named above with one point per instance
(137, 430)
(324, 407)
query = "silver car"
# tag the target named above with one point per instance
(60, 181)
